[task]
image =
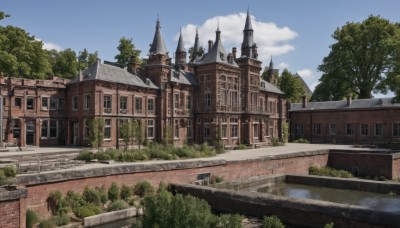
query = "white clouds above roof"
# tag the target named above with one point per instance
(50, 46)
(270, 39)
(306, 73)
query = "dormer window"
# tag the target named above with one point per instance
(262, 85)
(221, 55)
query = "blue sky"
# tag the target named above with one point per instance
(297, 33)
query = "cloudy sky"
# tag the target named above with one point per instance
(296, 33)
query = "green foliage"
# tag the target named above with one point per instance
(118, 205)
(55, 202)
(102, 193)
(126, 192)
(113, 192)
(301, 140)
(200, 52)
(285, 132)
(64, 63)
(228, 221)
(329, 225)
(327, 171)
(96, 132)
(9, 171)
(103, 156)
(60, 219)
(291, 86)
(363, 60)
(73, 200)
(241, 147)
(85, 156)
(127, 49)
(48, 223)
(91, 196)
(83, 211)
(31, 218)
(143, 188)
(272, 222)
(86, 59)
(215, 179)
(7, 175)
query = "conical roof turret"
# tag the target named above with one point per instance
(158, 45)
(195, 47)
(180, 47)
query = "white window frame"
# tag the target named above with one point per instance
(87, 102)
(107, 126)
(75, 103)
(376, 129)
(107, 103)
(53, 103)
(396, 129)
(150, 125)
(42, 105)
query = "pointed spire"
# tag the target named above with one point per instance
(195, 47)
(271, 64)
(218, 33)
(180, 47)
(158, 46)
(248, 40)
(248, 21)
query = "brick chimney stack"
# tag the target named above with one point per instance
(348, 99)
(304, 98)
(234, 50)
(210, 43)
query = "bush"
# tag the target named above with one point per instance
(272, 222)
(73, 200)
(327, 171)
(118, 205)
(240, 147)
(102, 193)
(113, 192)
(228, 221)
(60, 220)
(143, 188)
(329, 225)
(82, 212)
(102, 156)
(91, 196)
(85, 155)
(47, 224)
(31, 218)
(55, 202)
(125, 192)
(9, 171)
(216, 179)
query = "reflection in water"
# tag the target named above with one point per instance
(374, 201)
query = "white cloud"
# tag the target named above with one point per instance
(50, 46)
(270, 39)
(283, 66)
(306, 73)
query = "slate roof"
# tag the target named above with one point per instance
(342, 105)
(109, 73)
(183, 77)
(248, 41)
(269, 87)
(158, 45)
(304, 84)
(180, 47)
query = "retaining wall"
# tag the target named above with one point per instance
(12, 208)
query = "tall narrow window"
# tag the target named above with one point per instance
(45, 127)
(60, 103)
(189, 129)
(75, 103)
(45, 103)
(349, 129)
(107, 129)
(138, 104)
(150, 105)
(332, 129)
(87, 129)
(299, 129)
(364, 129)
(207, 131)
(150, 129)
(176, 102)
(30, 103)
(188, 102)
(207, 100)
(177, 129)
(86, 102)
(396, 129)
(378, 129)
(53, 103)
(53, 128)
(317, 128)
(107, 104)
(123, 104)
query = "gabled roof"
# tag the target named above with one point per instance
(217, 54)
(342, 105)
(183, 77)
(305, 86)
(109, 73)
(158, 45)
(266, 86)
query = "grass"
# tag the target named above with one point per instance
(330, 172)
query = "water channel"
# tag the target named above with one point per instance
(375, 201)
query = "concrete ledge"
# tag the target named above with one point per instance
(109, 217)
(6, 194)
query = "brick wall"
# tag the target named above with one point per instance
(38, 192)
(12, 208)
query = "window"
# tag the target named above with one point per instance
(224, 133)
(206, 131)
(53, 128)
(87, 129)
(107, 129)
(396, 129)
(107, 104)
(53, 103)
(176, 101)
(138, 105)
(45, 103)
(298, 129)
(364, 129)
(176, 129)
(332, 129)
(234, 131)
(189, 129)
(150, 129)
(317, 128)
(255, 131)
(188, 102)
(30, 103)
(18, 101)
(378, 129)
(75, 103)
(60, 103)
(16, 128)
(123, 104)
(150, 105)
(349, 129)
(86, 102)
(45, 127)
(207, 100)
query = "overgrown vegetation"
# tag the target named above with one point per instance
(241, 147)
(327, 171)
(31, 218)
(7, 175)
(272, 222)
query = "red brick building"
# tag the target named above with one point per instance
(363, 121)
(214, 94)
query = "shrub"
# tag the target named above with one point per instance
(118, 205)
(73, 200)
(102, 193)
(60, 220)
(91, 196)
(240, 147)
(31, 218)
(9, 171)
(272, 222)
(85, 155)
(216, 179)
(125, 192)
(102, 156)
(113, 192)
(329, 225)
(228, 221)
(143, 188)
(47, 224)
(327, 171)
(82, 212)
(55, 202)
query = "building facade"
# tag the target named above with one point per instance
(362, 121)
(218, 95)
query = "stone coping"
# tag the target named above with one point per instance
(6, 194)
(111, 216)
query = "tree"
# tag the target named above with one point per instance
(96, 133)
(199, 53)
(64, 63)
(291, 86)
(126, 132)
(127, 49)
(361, 60)
(86, 59)
(137, 131)
(3, 15)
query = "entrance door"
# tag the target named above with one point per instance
(75, 132)
(30, 133)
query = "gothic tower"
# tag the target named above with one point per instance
(180, 54)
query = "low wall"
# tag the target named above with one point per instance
(298, 212)
(362, 163)
(39, 186)
(12, 208)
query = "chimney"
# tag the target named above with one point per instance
(209, 45)
(133, 65)
(304, 98)
(234, 50)
(348, 99)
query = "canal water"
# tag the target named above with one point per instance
(375, 201)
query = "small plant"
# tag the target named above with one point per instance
(272, 222)
(392, 193)
(125, 192)
(118, 205)
(31, 218)
(6, 175)
(73, 200)
(240, 147)
(329, 225)
(327, 171)
(143, 188)
(215, 179)
(229, 221)
(48, 223)
(85, 156)
(91, 196)
(113, 192)
(55, 202)
(9, 171)
(82, 212)
(60, 219)
(102, 193)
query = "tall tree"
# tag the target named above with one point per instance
(127, 49)
(360, 61)
(291, 86)
(65, 63)
(199, 53)
(86, 59)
